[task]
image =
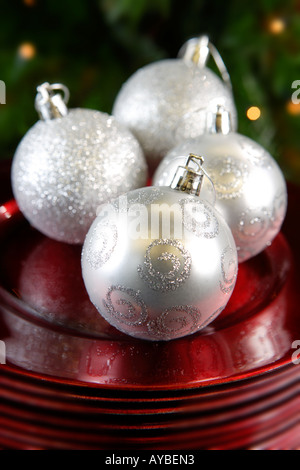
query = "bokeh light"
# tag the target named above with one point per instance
(253, 113)
(27, 51)
(277, 25)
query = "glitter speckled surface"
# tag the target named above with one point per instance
(167, 101)
(65, 168)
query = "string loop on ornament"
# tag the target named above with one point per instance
(212, 185)
(197, 50)
(63, 88)
(194, 158)
(45, 92)
(220, 64)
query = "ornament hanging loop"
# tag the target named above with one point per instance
(51, 105)
(197, 51)
(189, 178)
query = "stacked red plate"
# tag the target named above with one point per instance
(71, 381)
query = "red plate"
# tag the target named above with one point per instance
(267, 390)
(73, 381)
(78, 400)
(255, 332)
(190, 433)
(52, 329)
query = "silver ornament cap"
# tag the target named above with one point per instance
(70, 162)
(160, 263)
(167, 101)
(250, 187)
(51, 105)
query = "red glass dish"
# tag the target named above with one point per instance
(72, 381)
(55, 331)
(189, 433)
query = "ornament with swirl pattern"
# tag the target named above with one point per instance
(166, 101)
(160, 263)
(62, 167)
(250, 187)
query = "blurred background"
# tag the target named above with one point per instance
(93, 46)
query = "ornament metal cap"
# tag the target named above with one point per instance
(219, 122)
(51, 105)
(198, 50)
(189, 178)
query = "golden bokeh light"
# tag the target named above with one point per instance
(276, 25)
(253, 113)
(29, 3)
(27, 51)
(293, 108)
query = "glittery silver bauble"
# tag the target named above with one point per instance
(65, 167)
(166, 102)
(250, 187)
(159, 263)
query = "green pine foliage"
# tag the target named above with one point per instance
(93, 46)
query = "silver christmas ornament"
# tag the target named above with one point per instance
(160, 263)
(167, 101)
(63, 167)
(250, 187)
